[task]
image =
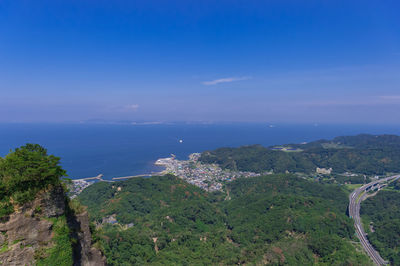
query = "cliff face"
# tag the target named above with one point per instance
(32, 233)
(85, 253)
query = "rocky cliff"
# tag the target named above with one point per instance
(46, 231)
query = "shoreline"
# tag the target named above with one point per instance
(209, 177)
(79, 184)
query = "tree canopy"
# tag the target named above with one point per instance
(276, 219)
(383, 212)
(24, 172)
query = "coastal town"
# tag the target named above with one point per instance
(209, 177)
(77, 186)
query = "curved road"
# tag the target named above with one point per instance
(356, 197)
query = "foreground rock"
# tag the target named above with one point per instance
(28, 234)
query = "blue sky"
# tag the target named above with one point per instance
(255, 61)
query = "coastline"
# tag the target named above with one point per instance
(79, 184)
(209, 177)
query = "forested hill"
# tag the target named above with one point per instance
(361, 141)
(365, 154)
(381, 216)
(275, 219)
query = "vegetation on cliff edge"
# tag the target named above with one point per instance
(24, 172)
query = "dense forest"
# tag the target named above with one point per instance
(383, 211)
(277, 219)
(364, 154)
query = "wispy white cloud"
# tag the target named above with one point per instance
(120, 108)
(225, 80)
(131, 107)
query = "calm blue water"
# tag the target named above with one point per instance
(120, 150)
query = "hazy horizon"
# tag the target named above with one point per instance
(214, 61)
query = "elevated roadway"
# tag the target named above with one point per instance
(355, 198)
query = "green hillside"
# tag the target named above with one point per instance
(383, 210)
(365, 154)
(277, 219)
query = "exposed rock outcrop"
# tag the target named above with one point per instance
(89, 256)
(22, 235)
(52, 202)
(28, 231)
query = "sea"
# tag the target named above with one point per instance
(116, 150)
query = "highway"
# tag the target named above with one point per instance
(355, 198)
